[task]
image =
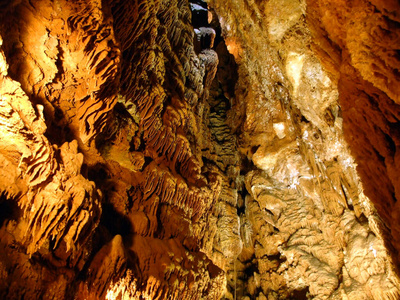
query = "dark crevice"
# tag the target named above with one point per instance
(8, 208)
(300, 294)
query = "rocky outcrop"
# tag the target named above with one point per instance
(176, 150)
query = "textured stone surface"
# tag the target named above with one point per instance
(304, 193)
(175, 150)
(369, 95)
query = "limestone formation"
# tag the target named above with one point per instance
(174, 149)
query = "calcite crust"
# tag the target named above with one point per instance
(167, 149)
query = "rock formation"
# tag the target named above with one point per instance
(166, 149)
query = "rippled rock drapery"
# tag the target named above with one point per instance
(145, 153)
(103, 132)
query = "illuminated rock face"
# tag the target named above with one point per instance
(175, 150)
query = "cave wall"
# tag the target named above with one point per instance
(176, 150)
(366, 41)
(296, 129)
(103, 131)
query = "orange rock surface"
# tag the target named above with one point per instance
(189, 150)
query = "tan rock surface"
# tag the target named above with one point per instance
(253, 156)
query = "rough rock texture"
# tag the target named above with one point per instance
(306, 218)
(171, 150)
(368, 82)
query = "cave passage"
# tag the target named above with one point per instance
(181, 149)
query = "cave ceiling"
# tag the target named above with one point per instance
(175, 149)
